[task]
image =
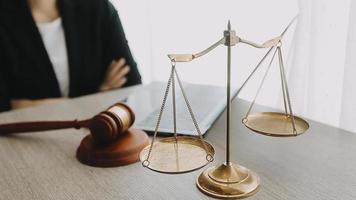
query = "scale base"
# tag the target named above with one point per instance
(228, 181)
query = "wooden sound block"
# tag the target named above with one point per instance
(125, 150)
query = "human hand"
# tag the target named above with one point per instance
(115, 75)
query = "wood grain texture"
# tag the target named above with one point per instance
(318, 165)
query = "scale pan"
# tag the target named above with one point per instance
(275, 124)
(169, 157)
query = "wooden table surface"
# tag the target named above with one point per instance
(321, 164)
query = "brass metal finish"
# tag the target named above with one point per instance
(272, 42)
(181, 57)
(228, 181)
(173, 156)
(189, 57)
(275, 124)
(229, 35)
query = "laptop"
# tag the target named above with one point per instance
(207, 103)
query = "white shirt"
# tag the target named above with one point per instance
(54, 40)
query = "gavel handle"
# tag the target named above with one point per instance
(41, 126)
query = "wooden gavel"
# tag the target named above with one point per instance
(111, 141)
(104, 127)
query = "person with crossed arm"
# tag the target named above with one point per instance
(55, 49)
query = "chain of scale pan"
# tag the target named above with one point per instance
(260, 86)
(145, 163)
(261, 61)
(209, 157)
(171, 81)
(286, 88)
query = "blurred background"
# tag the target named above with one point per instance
(318, 48)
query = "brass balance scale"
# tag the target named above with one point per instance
(182, 154)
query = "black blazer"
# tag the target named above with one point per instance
(94, 37)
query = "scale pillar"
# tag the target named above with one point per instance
(228, 180)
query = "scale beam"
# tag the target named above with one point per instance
(234, 39)
(230, 39)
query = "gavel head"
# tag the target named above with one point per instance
(107, 126)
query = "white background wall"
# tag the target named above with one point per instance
(320, 62)
(157, 28)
